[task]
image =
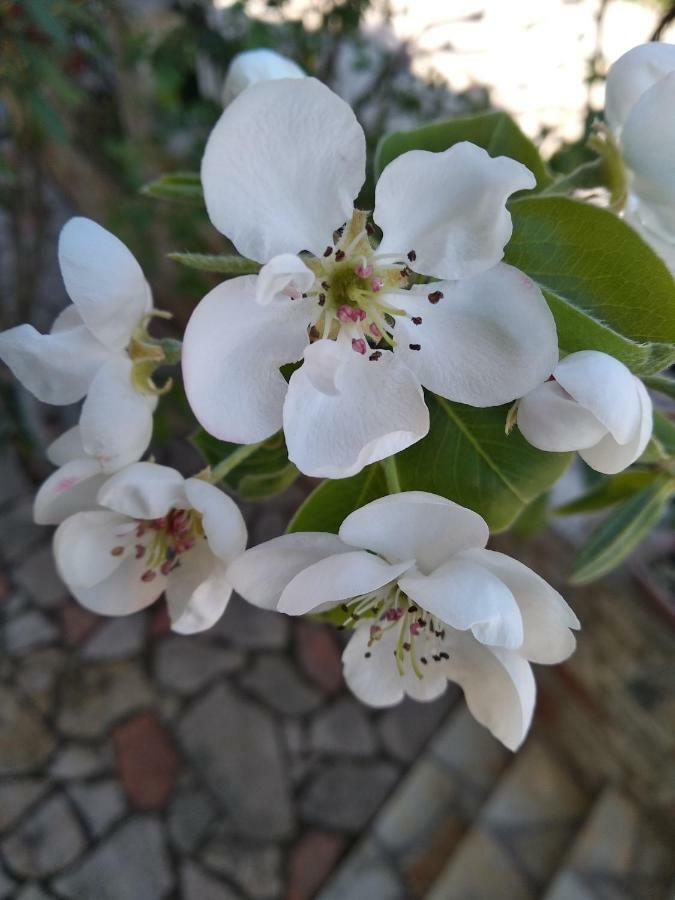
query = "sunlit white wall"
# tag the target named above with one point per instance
(533, 54)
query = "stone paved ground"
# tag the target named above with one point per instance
(139, 765)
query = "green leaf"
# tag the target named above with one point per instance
(609, 492)
(607, 290)
(664, 384)
(332, 501)
(496, 132)
(661, 447)
(621, 532)
(263, 472)
(228, 265)
(468, 458)
(182, 186)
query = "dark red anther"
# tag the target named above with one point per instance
(375, 356)
(415, 346)
(148, 575)
(435, 296)
(339, 256)
(412, 256)
(328, 251)
(417, 320)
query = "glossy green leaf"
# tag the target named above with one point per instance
(228, 265)
(664, 384)
(182, 186)
(609, 491)
(607, 290)
(261, 473)
(332, 501)
(496, 132)
(661, 447)
(468, 458)
(621, 532)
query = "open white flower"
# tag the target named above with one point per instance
(154, 532)
(86, 352)
(428, 604)
(280, 173)
(593, 404)
(640, 99)
(252, 66)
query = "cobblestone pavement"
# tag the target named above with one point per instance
(139, 765)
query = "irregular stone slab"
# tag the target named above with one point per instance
(76, 761)
(247, 626)
(38, 674)
(147, 761)
(406, 727)
(197, 885)
(365, 874)
(311, 860)
(37, 575)
(236, 748)
(344, 795)
(319, 655)
(27, 631)
(18, 532)
(190, 814)
(344, 728)
(46, 842)
(256, 870)
(78, 623)
(16, 796)
(116, 638)
(94, 696)
(32, 892)
(7, 886)
(132, 864)
(100, 804)
(274, 681)
(25, 741)
(185, 664)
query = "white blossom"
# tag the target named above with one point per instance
(593, 404)
(428, 604)
(639, 110)
(86, 352)
(280, 173)
(153, 532)
(252, 66)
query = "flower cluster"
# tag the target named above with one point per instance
(639, 112)
(350, 317)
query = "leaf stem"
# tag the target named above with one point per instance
(391, 475)
(232, 461)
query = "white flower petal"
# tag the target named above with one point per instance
(197, 591)
(286, 276)
(449, 208)
(663, 246)
(121, 593)
(336, 578)
(490, 338)
(548, 418)
(116, 419)
(232, 350)
(72, 488)
(610, 457)
(375, 678)
(282, 167)
(498, 686)
(144, 490)
(104, 281)
(67, 447)
(344, 411)
(547, 619)
(633, 74)
(57, 368)
(648, 148)
(260, 574)
(83, 546)
(252, 66)
(414, 525)
(223, 524)
(467, 596)
(605, 387)
(67, 319)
